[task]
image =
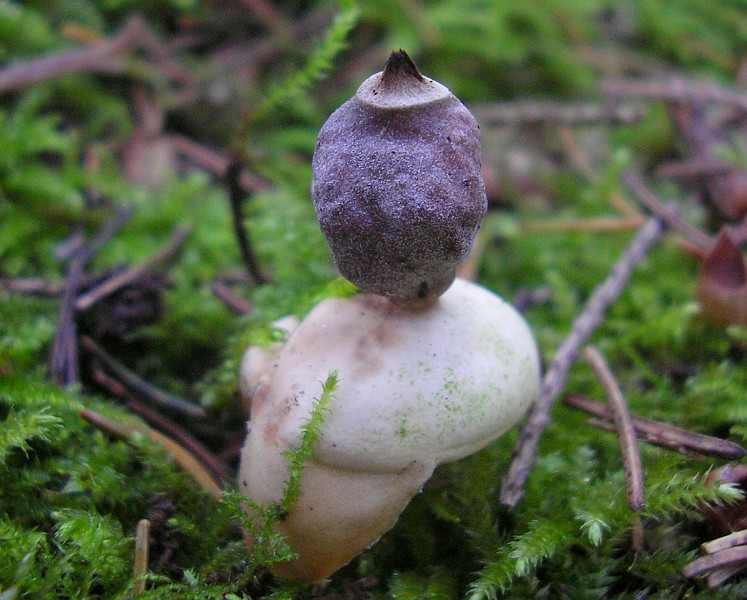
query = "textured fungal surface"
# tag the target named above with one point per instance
(415, 388)
(397, 185)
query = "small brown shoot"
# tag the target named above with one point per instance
(141, 555)
(235, 303)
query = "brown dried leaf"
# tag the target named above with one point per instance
(722, 283)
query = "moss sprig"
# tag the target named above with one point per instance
(258, 520)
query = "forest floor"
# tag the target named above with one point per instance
(155, 220)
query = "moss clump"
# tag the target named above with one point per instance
(71, 496)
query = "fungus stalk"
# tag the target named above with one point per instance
(429, 369)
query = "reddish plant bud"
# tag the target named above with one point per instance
(397, 185)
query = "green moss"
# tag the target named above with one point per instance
(71, 496)
(259, 521)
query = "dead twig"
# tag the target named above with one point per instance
(213, 161)
(579, 159)
(98, 57)
(666, 213)
(718, 576)
(139, 386)
(218, 469)
(717, 560)
(111, 285)
(236, 196)
(526, 446)
(594, 224)
(738, 538)
(677, 89)
(63, 362)
(554, 113)
(631, 459)
(725, 557)
(693, 168)
(35, 286)
(624, 425)
(661, 434)
(238, 305)
(125, 431)
(636, 538)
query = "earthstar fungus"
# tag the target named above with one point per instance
(429, 370)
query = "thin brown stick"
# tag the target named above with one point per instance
(697, 167)
(722, 574)
(676, 89)
(182, 457)
(36, 286)
(140, 567)
(576, 155)
(525, 449)
(624, 424)
(238, 305)
(594, 224)
(236, 197)
(667, 214)
(63, 361)
(213, 161)
(93, 58)
(717, 560)
(718, 576)
(556, 113)
(608, 426)
(661, 434)
(218, 469)
(141, 387)
(98, 57)
(118, 281)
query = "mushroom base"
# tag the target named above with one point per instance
(339, 514)
(415, 388)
